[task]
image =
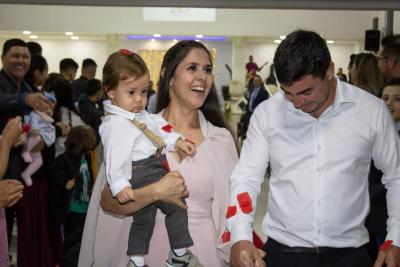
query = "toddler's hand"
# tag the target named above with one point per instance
(125, 195)
(186, 146)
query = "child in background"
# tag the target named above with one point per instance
(69, 192)
(40, 128)
(132, 140)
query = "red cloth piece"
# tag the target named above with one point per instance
(230, 212)
(126, 52)
(165, 165)
(167, 128)
(257, 241)
(226, 237)
(385, 245)
(245, 202)
(25, 128)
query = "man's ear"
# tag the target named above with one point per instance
(330, 72)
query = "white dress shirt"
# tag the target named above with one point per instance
(319, 182)
(123, 142)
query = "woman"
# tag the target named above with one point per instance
(187, 100)
(364, 73)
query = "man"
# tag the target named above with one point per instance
(34, 48)
(89, 68)
(68, 68)
(318, 135)
(17, 99)
(257, 94)
(252, 66)
(389, 57)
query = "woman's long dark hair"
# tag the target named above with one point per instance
(37, 63)
(64, 93)
(174, 56)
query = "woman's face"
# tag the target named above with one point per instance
(192, 80)
(40, 76)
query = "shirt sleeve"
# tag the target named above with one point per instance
(169, 137)
(247, 177)
(118, 136)
(386, 156)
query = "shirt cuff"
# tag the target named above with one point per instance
(241, 231)
(394, 235)
(171, 140)
(117, 186)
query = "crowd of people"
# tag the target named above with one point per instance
(172, 189)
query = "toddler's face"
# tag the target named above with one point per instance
(131, 94)
(391, 96)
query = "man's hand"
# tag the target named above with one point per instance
(65, 128)
(390, 257)
(125, 195)
(10, 192)
(70, 184)
(37, 101)
(245, 254)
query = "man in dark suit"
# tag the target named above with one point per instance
(257, 94)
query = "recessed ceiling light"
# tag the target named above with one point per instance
(175, 40)
(69, 33)
(74, 38)
(199, 36)
(26, 32)
(33, 36)
(157, 35)
(282, 37)
(277, 41)
(153, 40)
(330, 42)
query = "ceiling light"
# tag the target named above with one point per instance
(330, 42)
(277, 41)
(199, 36)
(33, 36)
(69, 33)
(26, 32)
(175, 40)
(153, 40)
(282, 37)
(157, 35)
(74, 38)
(177, 37)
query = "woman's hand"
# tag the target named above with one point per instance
(12, 131)
(171, 188)
(10, 192)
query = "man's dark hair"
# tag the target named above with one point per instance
(12, 42)
(34, 48)
(301, 53)
(88, 62)
(39, 63)
(67, 64)
(391, 46)
(92, 87)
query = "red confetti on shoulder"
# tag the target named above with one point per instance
(226, 237)
(245, 202)
(230, 212)
(167, 128)
(385, 245)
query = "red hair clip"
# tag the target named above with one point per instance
(126, 52)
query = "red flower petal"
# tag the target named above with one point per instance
(25, 128)
(126, 52)
(230, 212)
(385, 245)
(167, 128)
(245, 202)
(226, 237)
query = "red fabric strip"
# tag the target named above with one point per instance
(226, 237)
(167, 128)
(230, 212)
(385, 245)
(245, 202)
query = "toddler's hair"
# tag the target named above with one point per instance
(122, 65)
(80, 140)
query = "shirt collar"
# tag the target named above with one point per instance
(115, 110)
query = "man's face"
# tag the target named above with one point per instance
(311, 94)
(257, 82)
(386, 64)
(16, 62)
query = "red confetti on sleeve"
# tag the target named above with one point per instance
(230, 212)
(385, 245)
(226, 237)
(245, 202)
(167, 128)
